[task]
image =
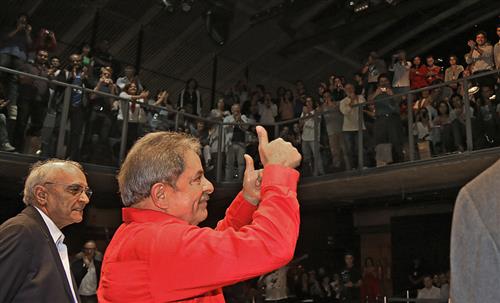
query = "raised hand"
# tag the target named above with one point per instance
(251, 182)
(277, 151)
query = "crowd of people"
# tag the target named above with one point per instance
(30, 108)
(353, 283)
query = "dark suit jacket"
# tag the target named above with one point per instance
(30, 267)
(79, 271)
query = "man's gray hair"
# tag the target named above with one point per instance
(156, 157)
(39, 173)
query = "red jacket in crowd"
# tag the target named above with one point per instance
(155, 257)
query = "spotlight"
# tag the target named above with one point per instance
(361, 6)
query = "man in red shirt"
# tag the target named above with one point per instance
(160, 255)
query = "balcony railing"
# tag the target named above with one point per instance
(409, 148)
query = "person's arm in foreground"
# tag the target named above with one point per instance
(204, 259)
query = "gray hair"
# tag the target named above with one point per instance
(156, 157)
(38, 174)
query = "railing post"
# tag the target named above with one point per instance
(220, 130)
(316, 118)
(360, 138)
(276, 131)
(176, 125)
(468, 116)
(123, 144)
(411, 139)
(62, 125)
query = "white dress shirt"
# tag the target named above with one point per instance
(58, 238)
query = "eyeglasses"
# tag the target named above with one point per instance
(75, 189)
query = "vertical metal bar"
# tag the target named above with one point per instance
(62, 124)
(468, 116)
(176, 125)
(411, 139)
(316, 118)
(214, 80)
(138, 55)
(219, 151)
(123, 144)
(360, 138)
(276, 131)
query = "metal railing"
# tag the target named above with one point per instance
(125, 103)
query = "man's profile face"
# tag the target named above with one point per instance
(65, 199)
(480, 39)
(190, 196)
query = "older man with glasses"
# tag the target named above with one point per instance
(34, 263)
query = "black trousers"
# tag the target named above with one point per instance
(26, 109)
(388, 129)
(77, 116)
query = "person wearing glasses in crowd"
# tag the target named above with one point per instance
(34, 263)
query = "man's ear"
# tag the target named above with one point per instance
(160, 195)
(40, 195)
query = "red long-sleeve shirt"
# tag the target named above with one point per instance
(155, 257)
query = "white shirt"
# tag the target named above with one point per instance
(88, 286)
(58, 238)
(135, 112)
(276, 288)
(266, 113)
(308, 128)
(401, 76)
(351, 114)
(432, 293)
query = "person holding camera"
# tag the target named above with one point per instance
(235, 142)
(87, 273)
(401, 69)
(14, 45)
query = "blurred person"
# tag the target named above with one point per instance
(337, 91)
(201, 133)
(350, 124)
(101, 117)
(268, 111)
(425, 101)
(334, 121)
(286, 106)
(165, 194)
(234, 142)
(219, 112)
(454, 71)
(14, 44)
(32, 104)
(442, 130)
(370, 287)
(359, 84)
(309, 147)
(458, 118)
(496, 50)
(136, 113)
(322, 88)
(481, 59)
(46, 39)
(102, 57)
(430, 71)
(388, 129)
(76, 75)
(474, 258)
(4, 134)
(415, 275)
(160, 119)
(480, 56)
(87, 272)
(351, 280)
(445, 286)
(423, 130)
(129, 77)
(401, 69)
(373, 68)
(487, 113)
(87, 58)
(190, 98)
(417, 76)
(34, 262)
(429, 291)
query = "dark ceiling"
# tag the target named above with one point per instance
(273, 42)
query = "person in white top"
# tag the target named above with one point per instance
(34, 263)
(136, 114)
(351, 122)
(309, 148)
(401, 68)
(496, 50)
(429, 291)
(267, 110)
